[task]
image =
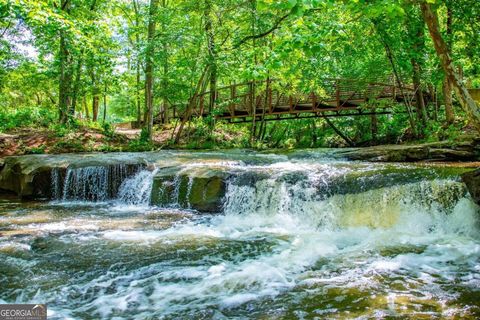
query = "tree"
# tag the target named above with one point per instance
(447, 86)
(149, 68)
(65, 58)
(468, 104)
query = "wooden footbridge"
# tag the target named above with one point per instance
(273, 100)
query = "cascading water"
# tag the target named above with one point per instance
(89, 183)
(137, 189)
(128, 183)
(296, 238)
(304, 196)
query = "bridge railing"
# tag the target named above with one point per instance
(273, 97)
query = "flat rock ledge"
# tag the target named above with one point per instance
(436, 151)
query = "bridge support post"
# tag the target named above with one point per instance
(337, 93)
(232, 99)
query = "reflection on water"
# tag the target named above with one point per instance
(285, 247)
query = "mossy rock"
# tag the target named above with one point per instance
(472, 181)
(202, 191)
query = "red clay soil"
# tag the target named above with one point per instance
(30, 140)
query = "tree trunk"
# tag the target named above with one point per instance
(212, 54)
(388, 51)
(95, 97)
(164, 108)
(447, 97)
(76, 85)
(374, 125)
(421, 110)
(39, 99)
(66, 72)
(138, 64)
(191, 103)
(85, 107)
(466, 101)
(253, 98)
(447, 86)
(105, 103)
(95, 104)
(416, 36)
(314, 134)
(149, 69)
(139, 104)
(340, 133)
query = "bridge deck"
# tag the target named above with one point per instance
(273, 100)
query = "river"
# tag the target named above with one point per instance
(297, 236)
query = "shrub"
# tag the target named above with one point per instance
(139, 145)
(26, 117)
(108, 130)
(68, 146)
(35, 150)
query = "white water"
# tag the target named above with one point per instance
(282, 248)
(350, 257)
(138, 188)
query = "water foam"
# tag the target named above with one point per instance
(405, 241)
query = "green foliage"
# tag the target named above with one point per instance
(436, 132)
(299, 43)
(25, 117)
(108, 130)
(144, 138)
(109, 148)
(35, 150)
(139, 145)
(60, 130)
(67, 146)
(200, 135)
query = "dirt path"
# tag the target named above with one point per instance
(129, 133)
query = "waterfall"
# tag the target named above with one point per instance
(137, 189)
(309, 199)
(91, 183)
(326, 195)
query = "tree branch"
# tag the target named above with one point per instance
(275, 26)
(6, 28)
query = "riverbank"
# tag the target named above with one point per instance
(84, 140)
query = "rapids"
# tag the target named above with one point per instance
(299, 236)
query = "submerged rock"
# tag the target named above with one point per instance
(472, 180)
(202, 191)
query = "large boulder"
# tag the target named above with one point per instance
(30, 176)
(202, 190)
(472, 180)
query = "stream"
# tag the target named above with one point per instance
(304, 235)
